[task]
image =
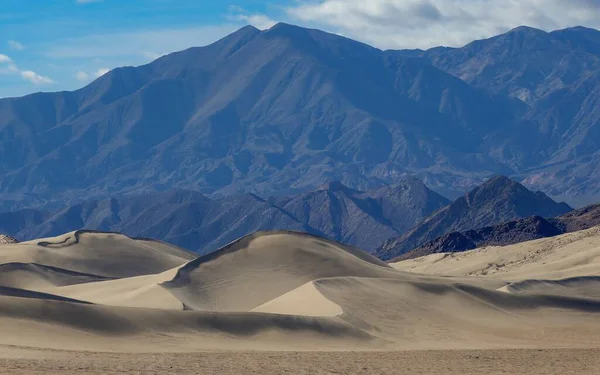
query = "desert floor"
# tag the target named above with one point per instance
(460, 362)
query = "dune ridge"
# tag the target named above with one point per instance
(33, 275)
(109, 255)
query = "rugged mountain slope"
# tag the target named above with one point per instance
(184, 218)
(193, 221)
(366, 219)
(522, 230)
(525, 63)
(288, 109)
(285, 109)
(558, 75)
(496, 201)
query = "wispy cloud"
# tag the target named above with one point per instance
(28, 75)
(13, 44)
(428, 23)
(35, 78)
(85, 77)
(82, 76)
(100, 72)
(258, 20)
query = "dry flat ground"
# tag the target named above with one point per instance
(282, 302)
(459, 362)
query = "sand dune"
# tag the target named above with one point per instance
(259, 268)
(566, 256)
(434, 315)
(583, 287)
(24, 293)
(306, 300)
(38, 276)
(138, 291)
(74, 326)
(291, 291)
(100, 254)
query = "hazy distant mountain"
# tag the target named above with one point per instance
(527, 229)
(193, 221)
(496, 201)
(288, 109)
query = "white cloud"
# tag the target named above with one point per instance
(82, 76)
(35, 78)
(13, 44)
(257, 20)
(428, 23)
(100, 72)
(28, 75)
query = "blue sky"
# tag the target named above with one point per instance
(52, 45)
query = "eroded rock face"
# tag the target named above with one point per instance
(4, 239)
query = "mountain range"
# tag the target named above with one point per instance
(497, 201)
(286, 110)
(387, 221)
(530, 228)
(193, 221)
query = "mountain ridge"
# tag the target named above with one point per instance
(496, 201)
(191, 220)
(284, 110)
(529, 228)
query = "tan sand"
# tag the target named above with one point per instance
(306, 300)
(260, 268)
(285, 291)
(37, 276)
(566, 256)
(137, 291)
(101, 254)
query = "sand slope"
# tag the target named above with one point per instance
(38, 276)
(76, 326)
(100, 254)
(291, 291)
(434, 315)
(569, 255)
(583, 287)
(138, 291)
(264, 266)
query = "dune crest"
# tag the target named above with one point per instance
(261, 267)
(109, 255)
